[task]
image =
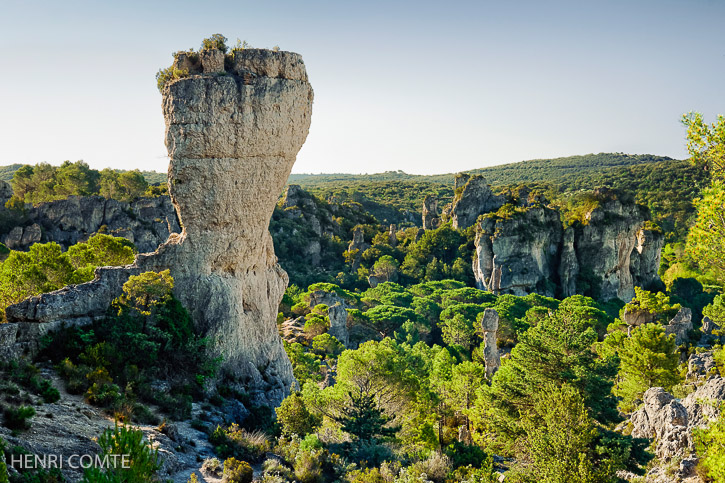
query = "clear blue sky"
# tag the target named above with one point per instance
(425, 87)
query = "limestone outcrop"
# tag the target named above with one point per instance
(430, 212)
(473, 197)
(489, 327)
(680, 325)
(336, 312)
(6, 192)
(615, 250)
(526, 249)
(146, 222)
(670, 422)
(232, 137)
(519, 255)
(664, 419)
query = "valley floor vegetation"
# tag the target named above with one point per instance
(393, 384)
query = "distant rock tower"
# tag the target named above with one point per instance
(430, 212)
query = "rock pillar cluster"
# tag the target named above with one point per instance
(232, 137)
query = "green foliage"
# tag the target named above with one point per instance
(648, 359)
(44, 267)
(147, 335)
(657, 304)
(707, 236)
(42, 183)
(169, 74)
(364, 420)
(17, 418)
(563, 441)
(216, 41)
(716, 310)
(710, 445)
(327, 345)
(558, 350)
(294, 417)
(236, 471)
(706, 144)
(142, 462)
(305, 366)
(237, 442)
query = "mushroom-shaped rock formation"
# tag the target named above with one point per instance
(232, 136)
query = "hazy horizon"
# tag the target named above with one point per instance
(421, 87)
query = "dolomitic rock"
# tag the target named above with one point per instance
(430, 212)
(472, 199)
(528, 250)
(6, 192)
(232, 140)
(518, 255)
(146, 222)
(489, 326)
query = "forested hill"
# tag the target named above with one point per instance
(151, 177)
(549, 170)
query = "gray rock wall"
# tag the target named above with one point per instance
(146, 222)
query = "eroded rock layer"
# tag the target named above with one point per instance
(526, 249)
(232, 137)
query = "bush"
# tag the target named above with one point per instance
(236, 471)
(294, 417)
(124, 440)
(17, 418)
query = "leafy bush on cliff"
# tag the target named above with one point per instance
(147, 337)
(45, 267)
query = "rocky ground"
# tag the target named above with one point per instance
(71, 427)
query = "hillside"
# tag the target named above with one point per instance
(505, 174)
(151, 177)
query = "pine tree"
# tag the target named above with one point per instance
(648, 359)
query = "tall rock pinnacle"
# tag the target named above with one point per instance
(233, 135)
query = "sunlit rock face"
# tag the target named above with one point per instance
(232, 137)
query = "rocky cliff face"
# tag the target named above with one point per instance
(519, 255)
(473, 197)
(232, 137)
(615, 251)
(528, 250)
(147, 222)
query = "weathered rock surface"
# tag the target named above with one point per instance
(528, 250)
(703, 404)
(6, 192)
(357, 243)
(519, 255)
(700, 365)
(336, 312)
(664, 418)
(232, 140)
(430, 212)
(146, 222)
(472, 199)
(670, 423)
(615, 249)
(489, 326)
(680, 325)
